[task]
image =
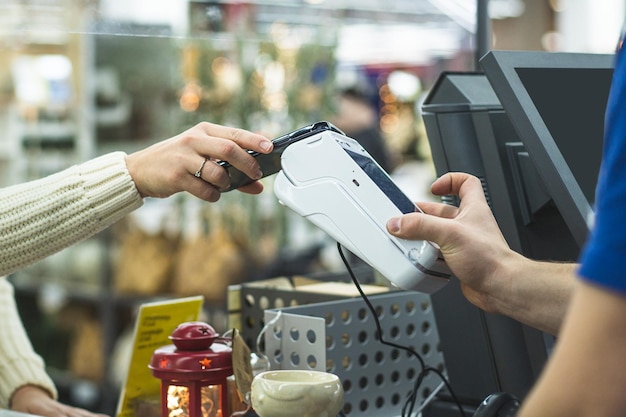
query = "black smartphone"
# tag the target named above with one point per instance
(270, 163)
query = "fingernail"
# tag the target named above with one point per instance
(266, 145)
(258, 175)
(393, 225)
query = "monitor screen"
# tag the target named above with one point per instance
(556, 103)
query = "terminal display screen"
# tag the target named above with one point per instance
(382, 180)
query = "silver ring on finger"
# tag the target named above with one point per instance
(198, 173)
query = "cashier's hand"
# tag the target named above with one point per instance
(34, 400)
(469, 237)
(170, 166)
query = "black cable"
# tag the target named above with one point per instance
(407, 409)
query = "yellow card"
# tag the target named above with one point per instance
(155, 322)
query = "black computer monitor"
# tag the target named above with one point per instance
(473, 126)
(556, 102)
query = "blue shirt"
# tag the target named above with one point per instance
(603, 260)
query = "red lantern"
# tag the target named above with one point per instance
(193, 372)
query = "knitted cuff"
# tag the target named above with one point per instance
(24, 371)
(109, 187)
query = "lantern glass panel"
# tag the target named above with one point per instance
(211, 401)
(177, 401)
(178, 404)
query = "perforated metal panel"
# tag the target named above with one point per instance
(377, 378)
(294, 341)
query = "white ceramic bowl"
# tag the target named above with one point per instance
(296, 393)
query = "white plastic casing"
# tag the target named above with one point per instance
(320, 181)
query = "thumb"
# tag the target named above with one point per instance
(417, 226)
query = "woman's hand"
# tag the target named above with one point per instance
(170, 166)
(34, 400)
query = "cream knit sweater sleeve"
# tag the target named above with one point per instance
(39, 218)
(19, 364)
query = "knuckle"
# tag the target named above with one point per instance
(216, 174)
(229, 149)
(236, 134)
(204, 126)
(252, 164)
(187, 138)
(474, 180)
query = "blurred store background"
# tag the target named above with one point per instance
(79, 78)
